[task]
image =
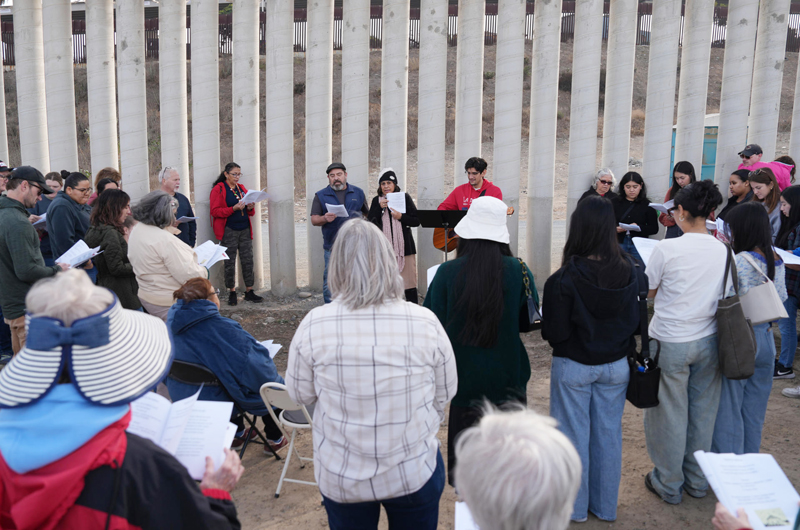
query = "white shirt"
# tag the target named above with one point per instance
(688, 273)
(380, 378)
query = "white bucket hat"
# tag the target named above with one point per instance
(485, 219)
(113, 357)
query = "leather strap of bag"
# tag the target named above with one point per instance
(641, 282)
(626, 212)
(729, 263)
(755, 266)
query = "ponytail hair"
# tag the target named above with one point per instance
(699, 199)
(228, 168)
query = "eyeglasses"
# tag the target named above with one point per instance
(744, 157)
(235, 174)
(85, 191)
(40, 190)
(607, 182)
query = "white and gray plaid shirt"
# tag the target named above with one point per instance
(380, 378)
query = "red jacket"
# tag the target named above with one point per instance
(220, 211)
(461, 198)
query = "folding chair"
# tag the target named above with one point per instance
(275, 395)
(196, 375)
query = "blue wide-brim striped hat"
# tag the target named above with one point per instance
(112, 357)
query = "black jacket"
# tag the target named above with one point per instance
(587, 323)
(591, 191)
(407, 220)
(641, 214)
(732, 204)
(188, 229)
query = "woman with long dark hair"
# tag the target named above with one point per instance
(632, 207)
(685, 277)
(788, 238)
(396, 227)
(591, 316)
(477, 298)
(230, 218)
(682, 175)
(739, 189)
(106, 230)
(767, 192)
(743, 403)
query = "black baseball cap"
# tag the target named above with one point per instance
(32, 175)
(4, 167)
(335, 165)
(750, 150)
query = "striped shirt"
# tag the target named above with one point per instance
(380, 378)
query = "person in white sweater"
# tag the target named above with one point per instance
(161, 261)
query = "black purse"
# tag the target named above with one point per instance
(530, 318)
(645, 374)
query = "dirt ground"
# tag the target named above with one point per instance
(299, 505)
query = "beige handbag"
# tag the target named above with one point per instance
(762, 303)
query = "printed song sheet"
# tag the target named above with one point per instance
(254, 196)
(208, 254)
(272, 348)
(338, 209)
(397, 201)
(663, 208)
(644, 246)
(630, 228)
(79, 254)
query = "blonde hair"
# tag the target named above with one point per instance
(363, 269)
(67, 296)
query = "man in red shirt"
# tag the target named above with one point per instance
(461, 198)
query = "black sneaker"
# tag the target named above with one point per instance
(232, 298)
(251, 296)
(783, 372)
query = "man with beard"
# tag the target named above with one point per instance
(338, 192)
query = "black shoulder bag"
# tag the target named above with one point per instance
(530, 318)
(645, 373)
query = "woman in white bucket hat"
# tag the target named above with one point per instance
(478, 298)
(65, 458)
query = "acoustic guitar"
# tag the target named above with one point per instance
(452, 238)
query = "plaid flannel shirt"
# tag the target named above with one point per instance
(380, 378)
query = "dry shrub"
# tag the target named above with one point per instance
(637, 122)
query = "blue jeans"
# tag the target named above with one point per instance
(49, 262)
(92, 274)
(326, 293)
(417, 511)
(588, 402)
(628, 246)
(683, 422)
(743, 403)
(788, 329)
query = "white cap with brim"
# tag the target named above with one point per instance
(485, 219)
(112, 357)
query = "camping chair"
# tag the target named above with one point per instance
(196, 375)
(275, 395)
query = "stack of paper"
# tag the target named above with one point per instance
(254, 196)
(630, 228)
(42, 222)
(397, 201)
(208, 254)
(272, 348)
(188, 429)
(663, 208)
(754, 482)
(79, 254)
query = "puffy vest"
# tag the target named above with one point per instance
(353, 200)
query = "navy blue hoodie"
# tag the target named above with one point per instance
(202, 336)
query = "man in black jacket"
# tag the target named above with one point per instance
(170, 181)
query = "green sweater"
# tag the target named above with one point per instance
(114, 270)
(21, 262)
(500, 373)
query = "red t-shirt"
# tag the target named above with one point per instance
(461, 198)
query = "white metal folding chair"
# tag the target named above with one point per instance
(275, 395)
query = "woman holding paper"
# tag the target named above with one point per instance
(396, 226)
(743, 403)
(230, 217)
(631, 207)
(789, 239)
(106, 230)
(591, 314)
(739, 188)
(685, 276)
(682, 175)
(161, 261)
(202, 336)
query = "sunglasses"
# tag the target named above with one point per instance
(40, 192)
(607, 182)
(745, 157)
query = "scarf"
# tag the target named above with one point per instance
(393, 230)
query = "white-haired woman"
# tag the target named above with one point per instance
(161, 261)
(396, 227)
(532, 468)
(380, 396)
(602, 184)
(85, 361)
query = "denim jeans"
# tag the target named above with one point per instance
(326, 293)
(417, 511)
(587, 401)
(683, 422)
(92, 274)
(743, 403)
(628, 246)
(788, 329)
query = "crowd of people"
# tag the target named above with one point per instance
(377, 369)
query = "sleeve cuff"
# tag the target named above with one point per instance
(217, 494)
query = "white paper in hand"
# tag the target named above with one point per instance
(464, 520)
(78, 254)
(663, 208)
(272, 348)
(338, 209)
(185, 219)
(208, 254)
(787, 257)
(432, 273)
(254, 196)
(644, 246)
(42, 222)
(630, 228)
(397, 201)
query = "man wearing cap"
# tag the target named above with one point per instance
(751, 160)
(461, 198)
(5, 171)
(338, 192)
(21, 262)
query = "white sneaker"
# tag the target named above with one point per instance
(791, 392)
